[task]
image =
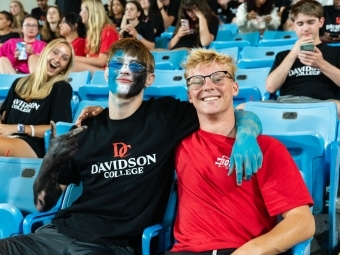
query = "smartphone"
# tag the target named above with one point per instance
(185, 23)
(307, 47)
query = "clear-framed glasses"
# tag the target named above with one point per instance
(134, 67)
(31, 26)
(217, 78)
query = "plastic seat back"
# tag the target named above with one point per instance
(173, 58)
(233, 52)
(178, 92)
(76, 79)
(253, 77)
(221, 34)
(98, 78)
(257, 57)
(232, 27)
(6, 83)
(253, 38)
(164, 78)
(85, 103)
(278, 35)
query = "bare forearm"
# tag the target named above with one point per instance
(46, 190)
(277, 77)
(173, 41)
(205, 36)
(148, 44)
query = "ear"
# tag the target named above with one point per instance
(106, 74)
(322, 20)
(235, 89)
(189, 96)
(149, 80)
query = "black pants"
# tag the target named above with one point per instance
(47, 241)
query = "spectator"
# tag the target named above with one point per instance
(169, 11)
(18, 12)
(116, 10)
(257, 15)
(330, 31)
(74, 31)
(101, 33)
(6, 20)
(67, 6)
(50, 30)
(133, 25)
(40, 12)
(153, 16)
(34, 100)
(306, 76)
(10, 62)
(246, 215)
(227, 10)
(134, 138)
(280, 5)
(201, 29)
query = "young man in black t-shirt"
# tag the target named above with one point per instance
(40, 12)
(304, 75)
(125, 162)
(169, 11)
(330, 31)
(6, 20)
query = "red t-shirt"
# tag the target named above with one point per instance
(108, 36)
(215, 213)
(78, 45)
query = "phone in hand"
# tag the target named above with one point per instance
(334, 35)
(307, 47)
(185, 23)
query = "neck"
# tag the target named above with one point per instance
(71, 36)
(29, 39)
(118, 16)
(223, 124)
(53, 26)
(146, 12)
(317, 41)
(123, 108)
(134, 22)
(5, 31)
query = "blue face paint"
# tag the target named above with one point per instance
(127, 75)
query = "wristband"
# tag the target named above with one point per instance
(139, 37)
(32, 130)
(21, 128)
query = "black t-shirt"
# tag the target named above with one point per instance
(157, 23)
(282, 3)
(284, 17)
(332, 20)
(56, 106)
(309, 81)
(40, 15)
(192, 40)
(67, 6)
(145, 30)
(172, 10)
(126, 168)
(227, 15)
(4, 38)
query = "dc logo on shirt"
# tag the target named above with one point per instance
(120, 150)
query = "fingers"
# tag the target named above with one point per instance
(239, 170)
(231, 166)
(53, 129)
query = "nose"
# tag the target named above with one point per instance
(208, 85)
(125, 68)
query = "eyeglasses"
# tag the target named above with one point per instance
(218, 78)
(134, 67)
(30, 26)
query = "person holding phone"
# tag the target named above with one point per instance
(197, 26)
(309, 72)
(330, 31)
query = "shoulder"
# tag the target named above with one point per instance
(270, 145)
(62, 86)
(108, 28)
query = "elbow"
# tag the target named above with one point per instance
(270, 88)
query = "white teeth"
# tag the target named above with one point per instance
(54, 65)
(210, 99)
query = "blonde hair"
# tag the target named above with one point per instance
(203, 57)
(96, 21)
(38, 85)
(17, 19)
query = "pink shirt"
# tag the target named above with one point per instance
(8, 50)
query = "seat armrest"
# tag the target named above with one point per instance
(151, 232)
(37, 217)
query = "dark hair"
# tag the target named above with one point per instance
(265, 9)
(310, 8)
(139, 8)
(73, 19)
(8, 16)
(28, 16)
(203, 6)
(110, 12)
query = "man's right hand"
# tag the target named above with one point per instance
(88, 112)
(296, 48)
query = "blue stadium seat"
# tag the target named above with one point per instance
(98, 78)
(85, 103)
(167, 35)
(161, 43)
(169, 78)
(310, 132)
(257, 57)
(229, 44)
(334, 44)
(275, 35)
(169, 59)
(76, 79)
(221, 34)
(253, 77)
(232, 27)
(6, 83)
(171, 29)
(233, 52)
(247, 94)
(253, 38)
